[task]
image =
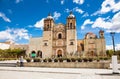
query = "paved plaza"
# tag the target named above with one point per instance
(55, 73)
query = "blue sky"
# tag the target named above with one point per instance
(22, 19)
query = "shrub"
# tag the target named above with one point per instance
(28, 59)
(55, 60)
(68, 60)
(49, 60)
(101, 58)
(97, 59)
(79, 59)
(60, 59)
(3, 59)
(44, 60)
(37, 60)
(105, 58)
(73, 59)
(85, 59)
(90, 59)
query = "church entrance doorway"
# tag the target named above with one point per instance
(92, 53)
(59, 53)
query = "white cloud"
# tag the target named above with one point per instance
(21, 33)
(86, 22)
(85, 14)
(108, 24)
(78, 1)
(2, 15)
(39, 24)
(18, 1)
(68, 10)
(14, 34)
(78, 10)
(62, 2)
(56, 15)
(110, 47)
(100, 22)
(107, 6)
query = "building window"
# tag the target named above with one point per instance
(59, 36)
(90, 37)
(45, 44)
(70, 25)
(33, 54)
(82, 46)
(71, 43)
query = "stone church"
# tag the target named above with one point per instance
(59, 40)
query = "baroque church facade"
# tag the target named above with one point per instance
(59, 40)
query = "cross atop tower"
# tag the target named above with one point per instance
(71, 12)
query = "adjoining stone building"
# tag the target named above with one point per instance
(60, 40)
(92, 45)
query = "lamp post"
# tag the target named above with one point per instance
(114, 57)
(112, 34)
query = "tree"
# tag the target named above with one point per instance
(109, 52)
(12, 53)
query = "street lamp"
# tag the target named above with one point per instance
(114, 58)
(112, 34)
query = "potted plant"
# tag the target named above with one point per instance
(49, 60)
(79, 59)
(55, 60)
(60, 59)
(37, 60)
(45, 60)
(106, 58)
(85, 59)
(73, 59)
(90, 59)
(28, 59)
(68, 60)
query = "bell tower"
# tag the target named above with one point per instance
(101, 34)
(71, 21)
(71, 37)
(48, 23)
(102, 43)
(47, 36)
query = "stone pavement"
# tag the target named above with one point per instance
(55, 73)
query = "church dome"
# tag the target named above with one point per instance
(90, 35)
(49, 16)
(71, 15)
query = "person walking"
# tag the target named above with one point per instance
(21, 61)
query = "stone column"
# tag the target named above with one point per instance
(115, 65)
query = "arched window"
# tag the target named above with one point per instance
(39, 53)
(82, 46)
(33, 54)
(59, 36)
(71, 43)
(70, 25)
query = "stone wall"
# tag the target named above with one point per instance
(35, 44)
(100, 65)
